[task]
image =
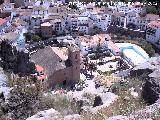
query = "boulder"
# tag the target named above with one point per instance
(151, 90)
(50, 114)
(73, 117)
(97, 101)
(119, 117)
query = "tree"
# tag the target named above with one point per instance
(28, 36)
(131, 26)
(92, 67)
(151, 10)
(101, 4)
(85, 61)
(14, 60)
(96, 30)
(98, 49)
(36, 38)
(106, 5)
(24, 98)
(1, 2)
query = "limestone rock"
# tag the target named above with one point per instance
(150, 72)
(73, 117)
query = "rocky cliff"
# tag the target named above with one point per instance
(150, 73)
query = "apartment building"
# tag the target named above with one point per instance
(58, 26)
(153, 33)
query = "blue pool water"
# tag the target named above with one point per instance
(133, 53)
(131, 47)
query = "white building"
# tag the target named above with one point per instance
(8, 7)
(71, 21)
(119, 18)
(141, 22)
(125, 8)
(153, 33)
(58, 26)
(101, 21)
(91, 42)
(40, 10)
(35, 21)
(83, 24)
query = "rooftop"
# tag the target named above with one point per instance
(2, 21)
(9, 36)
(92, 40)
(49, 60)
(152, 16)
(154, 23)
(39, 68)
(113, 46)
(62, 52)
(46, 24)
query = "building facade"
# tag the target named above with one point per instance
(61, 65)
(153, 33)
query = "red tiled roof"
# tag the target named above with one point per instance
(113, 46)
(2, 21)
(104, 35)
(39, 68)
(41, 77)
(154, 23)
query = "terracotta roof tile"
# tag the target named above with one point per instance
(39, 68)
(41, 77)
(154, 23)
(2, 21)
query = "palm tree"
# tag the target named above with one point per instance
(85, 62)
(92, 67)
(98, 49)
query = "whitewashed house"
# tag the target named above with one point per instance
(83, 24)
(58, 26)
(119, 18)
(40, 10)
(71, 22)
(8, 7)
(141, 22)
(35, 20)
(153, 33)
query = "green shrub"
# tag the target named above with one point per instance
(59, 102)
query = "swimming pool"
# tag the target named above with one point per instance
(133, 53)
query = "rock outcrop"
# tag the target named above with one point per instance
(147, 113)
(150, 73)
(52, 114)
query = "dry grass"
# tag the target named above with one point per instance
(125, 105)
(59, 102)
